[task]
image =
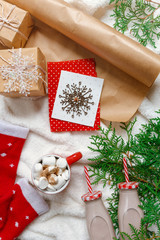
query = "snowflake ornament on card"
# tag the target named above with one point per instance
(76, 99)
(20, 73)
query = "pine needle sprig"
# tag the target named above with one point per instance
(142, 152)
(111, 149)
(136, 234)
(138, 16)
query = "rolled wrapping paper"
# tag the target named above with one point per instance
(106, 42)
(129, 70)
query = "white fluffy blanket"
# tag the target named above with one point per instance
(66, 218)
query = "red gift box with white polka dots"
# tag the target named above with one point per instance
(82, 66)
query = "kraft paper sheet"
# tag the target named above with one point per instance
(128, 68)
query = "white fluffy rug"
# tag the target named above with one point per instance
(66, 218)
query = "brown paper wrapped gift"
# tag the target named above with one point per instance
(128, 69)
(22, 72)
(15, 25)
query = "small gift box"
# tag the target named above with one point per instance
(15, 25)
(22, 72)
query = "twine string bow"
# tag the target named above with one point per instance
(10, 23)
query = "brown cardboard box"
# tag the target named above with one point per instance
(16, 32)
(36, 59)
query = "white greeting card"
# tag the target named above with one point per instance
(77, 98)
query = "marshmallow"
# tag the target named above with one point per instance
(52, 179)
(59, 172)
(60, 183)
(65, 174)
(51, 187)
(49, 160)
(52, 169)
(43, 183)
(61, 163)
(38, 167)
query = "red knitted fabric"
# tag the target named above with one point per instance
(11, 143)
(17, 202)
(25, 206)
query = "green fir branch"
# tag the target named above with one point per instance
(143, 167)
(138, 16)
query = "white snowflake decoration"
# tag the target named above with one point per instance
(20, 73)
(76, 99)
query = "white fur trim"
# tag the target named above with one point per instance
(32, 196)
(13, 130)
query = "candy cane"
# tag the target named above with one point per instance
(88, 180)
(125, 169)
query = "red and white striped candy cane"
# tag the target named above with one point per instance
(88, 179)
(125, 169)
